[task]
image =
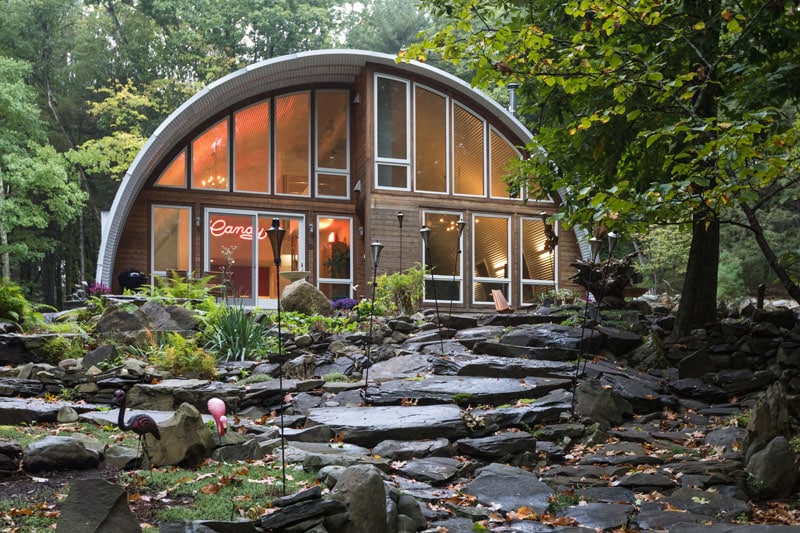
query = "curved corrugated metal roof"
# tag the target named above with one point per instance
(296, 70)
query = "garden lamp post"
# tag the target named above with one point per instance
(461, 223)
(595, 245)
(425, 232)
(400, 222)
(377, 247)
(276, 234)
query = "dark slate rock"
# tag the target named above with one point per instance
(301, 512)
(408, 365)
(505, 367)
(96, 505)
(59, 453)
(542, 411)
(696, 388)
(774, 470)
(619, 341)
(708, 503)
(473, 390)
(19, 387)
(454, 525)
(643, 482)
(603, 405)
(106, 352)
(367, 426)
(403, 450)
(653, 516)
(601, 516)
(510, 488)
(207, 526)
(497, 446)
(423, 491)
(583, 475)
(637, 393)
(469, 337)
(460, 322)
(730, 528)
(729, 440)
(697, 365)
(311, 493)
(434, 470)
(607, 494)
(782, 318)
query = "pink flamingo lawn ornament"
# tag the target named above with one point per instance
(216, 408)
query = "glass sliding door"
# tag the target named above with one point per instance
(238, 245)
(292, 259)
(231, 249)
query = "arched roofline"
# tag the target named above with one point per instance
(295, 70)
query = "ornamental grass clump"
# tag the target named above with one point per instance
(234, 334)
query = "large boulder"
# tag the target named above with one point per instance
(185, 439)
(303, 297)
(360, 487)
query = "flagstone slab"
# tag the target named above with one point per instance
(474, 390)
(367, 426)
(505, 367)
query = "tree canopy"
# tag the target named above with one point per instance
(657, 111)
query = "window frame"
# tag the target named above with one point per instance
(484, 151)
(274, 146)
(448, 140)
(326, 170)
(269, 145)
(490, 153)
(507, 281)
(391, 161)
(189, 231)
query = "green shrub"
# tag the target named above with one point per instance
(234, 334)
(57, 348)
(177, 286)
(401, 292)
(182, 357)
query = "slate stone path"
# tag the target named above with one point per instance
(502, 431)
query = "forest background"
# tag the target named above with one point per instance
(83, 83)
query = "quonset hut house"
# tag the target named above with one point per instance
(344, 148)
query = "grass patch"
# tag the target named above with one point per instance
(215, 491)
(24, 434)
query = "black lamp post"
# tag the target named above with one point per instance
(461, 223)
(425, 232)
(594, 244)
(377, 247)
(276, 234)
(400, 222)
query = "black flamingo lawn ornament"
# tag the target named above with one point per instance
(140, 424)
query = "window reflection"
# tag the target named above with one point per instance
(490, 257)
(210, 158)
(175, 173)
(467, 152)
(430, 133)
(502, 154)
(292, 130)
(170, 238)
(334, 256)
(251, 148)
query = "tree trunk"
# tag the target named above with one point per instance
(699, 295)
(774, 263)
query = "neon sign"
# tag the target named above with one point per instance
(220, 227)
